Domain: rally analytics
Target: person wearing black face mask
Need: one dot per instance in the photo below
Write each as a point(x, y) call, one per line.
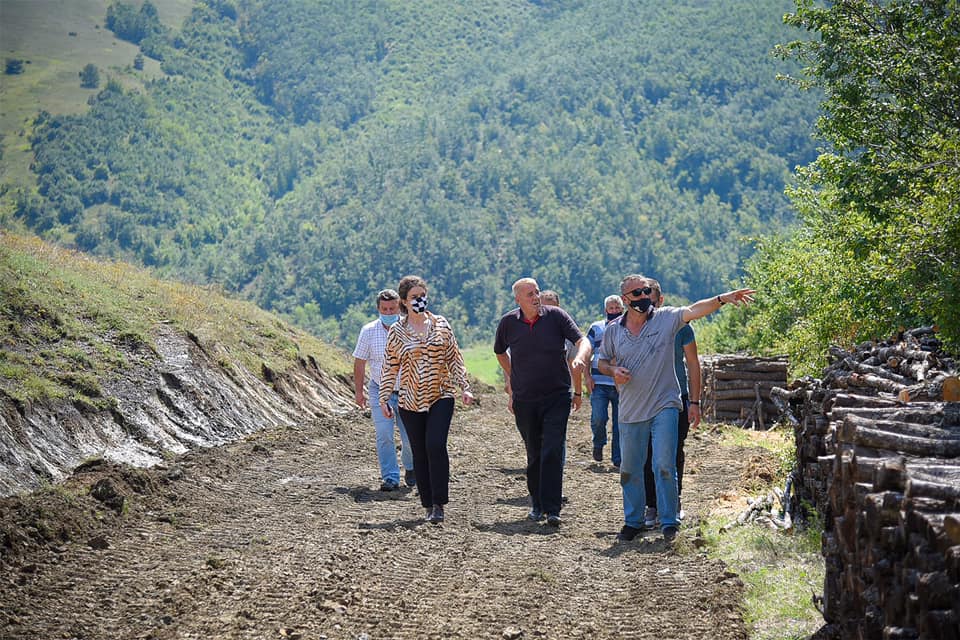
point(638, 352)
point(603, 392)
point(423, 359)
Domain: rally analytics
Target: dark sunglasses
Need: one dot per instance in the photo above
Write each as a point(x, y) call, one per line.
point(645, 291)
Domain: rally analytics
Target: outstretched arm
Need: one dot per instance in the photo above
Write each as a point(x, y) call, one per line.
point(707, 306)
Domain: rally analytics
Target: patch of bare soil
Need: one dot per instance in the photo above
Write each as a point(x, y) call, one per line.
point(285, 535)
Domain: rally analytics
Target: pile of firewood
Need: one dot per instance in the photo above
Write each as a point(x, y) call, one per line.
point(878, 446)
point(737, 389)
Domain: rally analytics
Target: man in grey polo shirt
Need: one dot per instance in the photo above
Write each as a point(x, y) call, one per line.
point(638, 352)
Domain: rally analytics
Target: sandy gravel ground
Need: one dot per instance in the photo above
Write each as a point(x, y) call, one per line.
point(285, 535)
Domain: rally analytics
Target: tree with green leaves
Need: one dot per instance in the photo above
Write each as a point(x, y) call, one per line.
point(879, 246)
point(90, 76)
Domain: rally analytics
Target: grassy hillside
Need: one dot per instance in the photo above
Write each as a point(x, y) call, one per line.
point(64, 317)
point(56, 39)
point(305, 154)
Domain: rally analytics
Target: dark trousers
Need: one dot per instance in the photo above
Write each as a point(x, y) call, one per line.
point(543, 426)
point(428, 431)
point(683, 428)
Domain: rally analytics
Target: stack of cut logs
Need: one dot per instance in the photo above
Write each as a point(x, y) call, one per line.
point(737, 389)
point(878, 447)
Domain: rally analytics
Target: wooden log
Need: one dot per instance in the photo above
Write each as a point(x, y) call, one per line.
point(852, 422)
point(735, 374)
point(750, 366)
point(878, 372)
point(912, 445)
point(951, 528)
point(856, 400)
point(869, 381)
point(734, 390)
point(949, 492)
point(936, 414)
point(900, 633)
point(943, 389)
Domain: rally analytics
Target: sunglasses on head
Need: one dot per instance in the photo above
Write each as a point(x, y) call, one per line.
point(644, 291)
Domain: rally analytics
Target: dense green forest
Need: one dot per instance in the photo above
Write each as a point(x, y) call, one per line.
point(879, 241)
point(305, 154)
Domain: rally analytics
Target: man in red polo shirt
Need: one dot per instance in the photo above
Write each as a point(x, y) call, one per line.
point(538, 381)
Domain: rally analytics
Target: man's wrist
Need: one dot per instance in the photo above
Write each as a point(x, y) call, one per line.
point(696, 402)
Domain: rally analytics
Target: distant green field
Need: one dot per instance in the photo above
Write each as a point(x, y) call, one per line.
point(56, 39)
point(482, 364)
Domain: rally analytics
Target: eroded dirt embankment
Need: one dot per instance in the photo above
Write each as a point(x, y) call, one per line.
point(165, 402)
point(283, 534)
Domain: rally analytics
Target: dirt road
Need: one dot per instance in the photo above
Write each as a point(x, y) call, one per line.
point(284, 535)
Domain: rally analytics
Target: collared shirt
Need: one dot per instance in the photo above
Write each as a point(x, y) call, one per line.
point(595, 335)
point(651, 360)
point(538, 362)
point(684, 337)
point(428, 367)
point(371, 344)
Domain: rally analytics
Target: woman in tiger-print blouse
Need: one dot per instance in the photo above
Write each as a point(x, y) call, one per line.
point(423, 352)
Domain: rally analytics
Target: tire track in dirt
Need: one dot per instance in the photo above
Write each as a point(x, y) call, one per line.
point(284, 535)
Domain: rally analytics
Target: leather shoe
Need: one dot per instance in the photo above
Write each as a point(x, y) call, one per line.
point(410, 478)
point(628, 533)
point(598, 454)
point(436, 516)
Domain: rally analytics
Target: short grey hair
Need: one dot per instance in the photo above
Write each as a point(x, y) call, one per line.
point(523, 281)
point(612, 298)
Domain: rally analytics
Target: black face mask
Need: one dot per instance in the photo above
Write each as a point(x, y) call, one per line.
point(642, 305)
point(611, 316)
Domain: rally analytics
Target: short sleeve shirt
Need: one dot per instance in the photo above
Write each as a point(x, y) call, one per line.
point(371, 344)
point(651, 359)
point(684, 337)
point(595, 335)
point(538, 362)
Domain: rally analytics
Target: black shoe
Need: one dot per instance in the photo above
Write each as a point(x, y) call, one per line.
point(410, 478)
point(389, 485)
point(535, 514)
point(628, 533)
point(564, 499)
point(598, 454)
point(436, 516)
point(670, 534)
point(553, 520)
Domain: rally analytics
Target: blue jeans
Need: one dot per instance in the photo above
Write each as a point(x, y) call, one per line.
point(683, 429)
point(634, 437)
point(543, 426)
point(602, 395)
point(386, 445)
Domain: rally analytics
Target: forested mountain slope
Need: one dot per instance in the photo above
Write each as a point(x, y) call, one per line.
point(308, 153)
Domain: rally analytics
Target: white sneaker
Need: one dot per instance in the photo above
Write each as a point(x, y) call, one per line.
point(650, 517)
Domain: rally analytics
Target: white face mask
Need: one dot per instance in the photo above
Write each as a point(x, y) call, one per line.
point(419, 304)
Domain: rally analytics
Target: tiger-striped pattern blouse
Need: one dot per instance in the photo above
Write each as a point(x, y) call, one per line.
point(430, 368)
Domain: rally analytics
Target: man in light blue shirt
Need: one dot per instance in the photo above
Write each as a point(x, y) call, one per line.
point(603, 392)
